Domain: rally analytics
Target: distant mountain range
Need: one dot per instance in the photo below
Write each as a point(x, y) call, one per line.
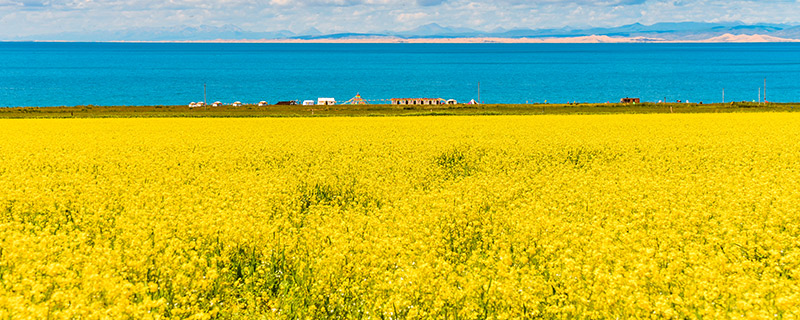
point(672, 31)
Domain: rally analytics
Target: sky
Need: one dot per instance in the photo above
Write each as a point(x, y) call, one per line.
point(21, 18)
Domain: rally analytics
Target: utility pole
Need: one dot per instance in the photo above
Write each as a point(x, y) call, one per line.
point(765, 90)
point(723, 95)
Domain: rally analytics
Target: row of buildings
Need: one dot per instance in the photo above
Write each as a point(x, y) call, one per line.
point(358, 100)
point(422, 101)
point(219, 104)
point(355, 100)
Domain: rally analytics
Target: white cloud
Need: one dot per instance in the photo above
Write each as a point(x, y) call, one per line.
point(404, 18)
point(27, 17)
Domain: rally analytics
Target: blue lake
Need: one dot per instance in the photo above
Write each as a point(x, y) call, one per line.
point(55, 74)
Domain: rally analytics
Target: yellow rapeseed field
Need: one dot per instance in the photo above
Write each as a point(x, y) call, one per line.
point(620, 216)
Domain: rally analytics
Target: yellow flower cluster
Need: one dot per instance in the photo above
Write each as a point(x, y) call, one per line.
point(621, 216)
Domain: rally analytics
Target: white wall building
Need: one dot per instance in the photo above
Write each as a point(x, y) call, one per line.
point(417, 101)
point(326, 101)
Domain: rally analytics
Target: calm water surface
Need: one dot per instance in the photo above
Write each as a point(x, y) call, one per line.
point(54, 74)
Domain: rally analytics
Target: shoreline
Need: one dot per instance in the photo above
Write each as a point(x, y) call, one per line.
point(378, 110)
point(725, 38)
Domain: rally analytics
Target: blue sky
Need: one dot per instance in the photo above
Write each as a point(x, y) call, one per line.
point(31, 17)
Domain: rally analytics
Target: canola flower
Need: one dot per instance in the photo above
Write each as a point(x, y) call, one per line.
point(622, 216)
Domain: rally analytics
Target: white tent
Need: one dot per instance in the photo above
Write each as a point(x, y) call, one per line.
point(326, 101)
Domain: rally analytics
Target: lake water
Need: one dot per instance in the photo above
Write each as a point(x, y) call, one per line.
point(55, 74)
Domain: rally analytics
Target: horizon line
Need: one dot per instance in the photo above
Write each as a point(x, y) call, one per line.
point(589, 39)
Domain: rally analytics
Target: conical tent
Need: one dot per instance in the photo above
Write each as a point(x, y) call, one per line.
point(356, 100)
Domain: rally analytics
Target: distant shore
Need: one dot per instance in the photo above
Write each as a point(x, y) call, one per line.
point(379, 110)
point(726, 38)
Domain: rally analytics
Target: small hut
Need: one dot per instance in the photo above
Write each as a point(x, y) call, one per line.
point(326, 101)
